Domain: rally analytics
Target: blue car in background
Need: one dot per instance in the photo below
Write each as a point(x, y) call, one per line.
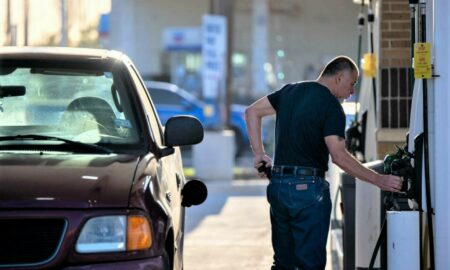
point(170, 100)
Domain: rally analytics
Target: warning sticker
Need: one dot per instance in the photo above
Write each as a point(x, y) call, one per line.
point(422, 60)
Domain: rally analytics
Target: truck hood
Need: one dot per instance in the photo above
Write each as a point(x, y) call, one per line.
point(65, 180)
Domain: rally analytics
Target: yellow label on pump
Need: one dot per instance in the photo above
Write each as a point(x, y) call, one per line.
point(422, 60)
point(369, 65)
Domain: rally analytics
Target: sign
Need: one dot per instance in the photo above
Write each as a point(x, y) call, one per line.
point(182, 39)
point(214, 52)
point(422, 60)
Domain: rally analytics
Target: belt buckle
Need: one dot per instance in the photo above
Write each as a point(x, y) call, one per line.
point(305, 172)
point(288, 170)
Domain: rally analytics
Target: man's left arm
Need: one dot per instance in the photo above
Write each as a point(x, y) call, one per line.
point(341, 157)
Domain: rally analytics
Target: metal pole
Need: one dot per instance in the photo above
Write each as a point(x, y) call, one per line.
point(8, 22)
point(358, 58)
point(413, 8)
point(63, 23)
point(229, 10)
point(260, 18)
point(25, 21)
point(225, 8)
point(370, 21)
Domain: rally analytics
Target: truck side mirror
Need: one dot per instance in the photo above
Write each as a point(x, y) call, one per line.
point(183, 130)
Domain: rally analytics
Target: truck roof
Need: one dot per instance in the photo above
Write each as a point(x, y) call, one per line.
point(58, 53)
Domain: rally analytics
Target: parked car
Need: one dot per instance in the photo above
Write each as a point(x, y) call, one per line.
point(172, 100)
point(90, 179)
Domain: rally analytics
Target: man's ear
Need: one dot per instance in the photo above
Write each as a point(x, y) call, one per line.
point(338, 77)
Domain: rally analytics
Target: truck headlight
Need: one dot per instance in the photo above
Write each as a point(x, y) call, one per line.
point(114, 234)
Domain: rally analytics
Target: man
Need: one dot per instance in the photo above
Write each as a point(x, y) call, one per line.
point(310, 126)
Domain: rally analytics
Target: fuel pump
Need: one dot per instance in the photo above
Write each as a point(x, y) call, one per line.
point(419, 132)
point(404, 222)
point(401, 224)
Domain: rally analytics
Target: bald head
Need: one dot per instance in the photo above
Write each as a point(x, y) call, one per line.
point(340, 76)
point(339, 64)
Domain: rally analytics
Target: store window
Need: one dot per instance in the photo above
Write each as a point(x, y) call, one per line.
point(396, 93)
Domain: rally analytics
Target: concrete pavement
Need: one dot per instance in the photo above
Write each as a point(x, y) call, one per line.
point(231, 230)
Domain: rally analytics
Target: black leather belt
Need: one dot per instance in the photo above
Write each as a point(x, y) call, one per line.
point(297, 171)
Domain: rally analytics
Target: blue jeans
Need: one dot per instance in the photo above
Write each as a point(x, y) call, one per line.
point(300, 208)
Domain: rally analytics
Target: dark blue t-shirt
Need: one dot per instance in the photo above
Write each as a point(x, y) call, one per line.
point(306, 112)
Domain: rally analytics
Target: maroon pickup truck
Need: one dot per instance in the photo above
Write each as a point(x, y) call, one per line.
point(92, 181)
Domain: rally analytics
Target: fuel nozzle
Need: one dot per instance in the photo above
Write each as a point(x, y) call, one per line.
point(400, 164)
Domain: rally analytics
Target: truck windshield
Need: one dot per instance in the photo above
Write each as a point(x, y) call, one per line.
point(83, 105)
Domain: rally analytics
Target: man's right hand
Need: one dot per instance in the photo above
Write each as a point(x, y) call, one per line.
point(258, 162)
point(390, 183)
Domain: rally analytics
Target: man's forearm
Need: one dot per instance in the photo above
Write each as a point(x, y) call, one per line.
point(353, 167)
point(253, 115)
point(253, 123)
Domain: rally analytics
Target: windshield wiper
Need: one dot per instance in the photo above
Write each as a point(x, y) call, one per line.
point(52, 138)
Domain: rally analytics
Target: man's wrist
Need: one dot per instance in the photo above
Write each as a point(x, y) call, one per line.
point(376, 178)
point(259, 153)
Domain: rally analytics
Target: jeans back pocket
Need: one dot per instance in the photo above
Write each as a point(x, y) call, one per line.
point(304, 192)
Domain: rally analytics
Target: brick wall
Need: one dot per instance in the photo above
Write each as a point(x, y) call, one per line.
point(395, 34)
point(395, 65)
